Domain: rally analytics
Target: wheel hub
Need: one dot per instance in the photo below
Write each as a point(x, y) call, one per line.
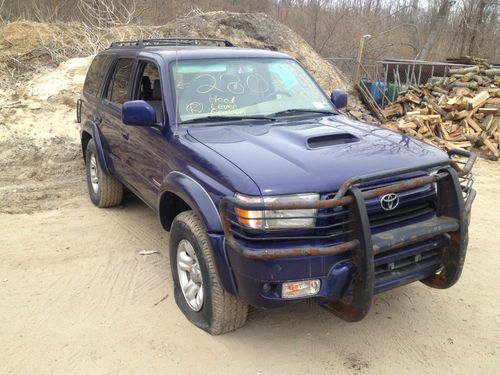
point(190, 279)
point(94, 176)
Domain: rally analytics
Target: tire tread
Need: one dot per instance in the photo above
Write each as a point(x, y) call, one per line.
point(229, 312)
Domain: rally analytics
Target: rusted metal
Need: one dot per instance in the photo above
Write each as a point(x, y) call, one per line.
point(468, 164)
point(296, 205)
point(412, 234)
point(471, 158)
point(400, 186)
point(355, 307)
point(292, 252)
point(451, 204)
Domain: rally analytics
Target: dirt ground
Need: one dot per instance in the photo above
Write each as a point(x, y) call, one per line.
point(78, 298)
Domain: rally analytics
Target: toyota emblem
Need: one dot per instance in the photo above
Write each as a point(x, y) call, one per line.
point(389, 201)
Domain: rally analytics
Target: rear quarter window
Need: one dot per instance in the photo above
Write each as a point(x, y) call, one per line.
point(120, 82)
point(95, 75)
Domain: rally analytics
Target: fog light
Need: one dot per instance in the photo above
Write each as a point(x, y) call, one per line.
point(297, 289)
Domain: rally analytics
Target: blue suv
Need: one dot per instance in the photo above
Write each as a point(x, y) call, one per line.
point(269, 193)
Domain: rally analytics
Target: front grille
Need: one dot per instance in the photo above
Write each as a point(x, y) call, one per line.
point(415, 205)
point(400, 215)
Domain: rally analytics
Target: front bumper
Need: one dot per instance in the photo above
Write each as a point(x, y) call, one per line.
point(351, 268)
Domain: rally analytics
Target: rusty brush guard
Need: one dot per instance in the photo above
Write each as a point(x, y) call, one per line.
point(352, 232)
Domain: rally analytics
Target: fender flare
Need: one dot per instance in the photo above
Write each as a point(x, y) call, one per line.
point(96, 136)
point(195, 196)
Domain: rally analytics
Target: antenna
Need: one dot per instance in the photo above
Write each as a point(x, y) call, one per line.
point(175, 72)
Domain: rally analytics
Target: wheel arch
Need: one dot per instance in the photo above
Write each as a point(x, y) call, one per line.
point(85, 139)
point(180, 193)
point(91, 131)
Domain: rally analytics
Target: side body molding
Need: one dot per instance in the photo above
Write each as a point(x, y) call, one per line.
point(190, 190)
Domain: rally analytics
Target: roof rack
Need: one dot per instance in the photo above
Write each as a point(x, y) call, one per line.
point(141, 43)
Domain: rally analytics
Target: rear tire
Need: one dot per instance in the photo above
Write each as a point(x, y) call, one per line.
point(104, 190)
point(219, 311)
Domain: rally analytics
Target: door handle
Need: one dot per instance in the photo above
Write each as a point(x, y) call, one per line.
point(125, 135)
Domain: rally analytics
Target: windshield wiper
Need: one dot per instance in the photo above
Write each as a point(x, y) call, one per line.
point(226, 118)
point(303, 110)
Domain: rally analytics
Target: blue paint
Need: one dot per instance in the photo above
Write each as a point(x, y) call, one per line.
point(203, 164)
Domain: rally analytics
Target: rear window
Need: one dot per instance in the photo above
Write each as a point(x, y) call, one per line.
point(119, 85)
point(95, 75)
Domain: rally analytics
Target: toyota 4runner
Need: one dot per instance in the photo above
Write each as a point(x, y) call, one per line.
point(269, 193)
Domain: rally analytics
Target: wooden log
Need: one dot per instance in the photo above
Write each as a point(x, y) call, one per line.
point(435, 106)
point(463, 144)
point(391, 126)
point(472, 69)
point(393, 110)
point(450, 146)
point(463, 91)
point(491, 147)
point(492, 105)
point(494, 91)
point(478, 79)
point(493, 128)
point(407, 125)
point(437, 94)
point(474, 140)
point(474, 125)
point(491, 72)
point(456, 115)
point(478, 116)
point(414, 113)
point(469, 85)
point(444, 132)
point(409, 96)
point(493, 101)
point(467, 77)
point(488, 110)
point(478, 100)
point(440, 90)
point(487, 122)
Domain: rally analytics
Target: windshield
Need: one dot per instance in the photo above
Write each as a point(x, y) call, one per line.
point(241, 88)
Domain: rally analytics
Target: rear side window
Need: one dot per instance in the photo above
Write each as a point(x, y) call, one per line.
point(119, 84)
point(95, 75)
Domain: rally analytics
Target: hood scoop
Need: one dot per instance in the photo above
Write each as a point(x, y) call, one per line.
point(328, 140)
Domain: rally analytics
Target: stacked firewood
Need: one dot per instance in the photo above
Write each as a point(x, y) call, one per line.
point(459, 111)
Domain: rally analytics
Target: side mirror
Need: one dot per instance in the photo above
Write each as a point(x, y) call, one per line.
point(138, 113)
point(339, 98)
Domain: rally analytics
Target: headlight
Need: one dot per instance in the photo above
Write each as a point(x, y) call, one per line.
point(278, 219)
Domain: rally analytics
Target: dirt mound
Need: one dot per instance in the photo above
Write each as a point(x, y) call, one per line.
point(258, 30)
point(27, 46)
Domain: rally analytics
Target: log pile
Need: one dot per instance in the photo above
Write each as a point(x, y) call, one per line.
point(459, 111)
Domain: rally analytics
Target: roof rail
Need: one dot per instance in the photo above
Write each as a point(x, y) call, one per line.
point(141, 43)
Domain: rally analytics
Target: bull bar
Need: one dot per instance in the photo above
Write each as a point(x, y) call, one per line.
point(455, 196)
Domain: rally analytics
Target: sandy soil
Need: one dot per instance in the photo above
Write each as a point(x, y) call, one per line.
point(76, 296)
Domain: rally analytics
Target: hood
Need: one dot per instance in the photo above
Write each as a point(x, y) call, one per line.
point(314, 155)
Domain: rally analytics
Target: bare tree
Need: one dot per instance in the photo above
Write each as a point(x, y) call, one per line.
point(106, 13)
point(437, 23)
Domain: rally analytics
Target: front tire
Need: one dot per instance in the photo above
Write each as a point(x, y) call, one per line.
point(104, 190)
point(197, 288)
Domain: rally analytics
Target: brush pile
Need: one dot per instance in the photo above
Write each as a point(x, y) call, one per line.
point(459, 111)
